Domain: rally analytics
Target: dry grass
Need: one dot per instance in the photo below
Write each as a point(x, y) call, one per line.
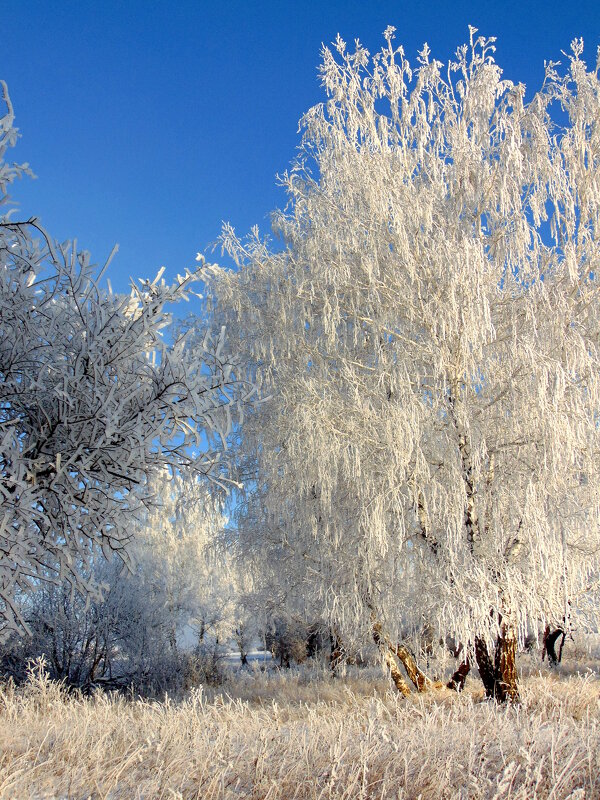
point(303, 737)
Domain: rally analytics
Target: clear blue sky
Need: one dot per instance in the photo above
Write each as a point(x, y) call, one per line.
point(148, 123)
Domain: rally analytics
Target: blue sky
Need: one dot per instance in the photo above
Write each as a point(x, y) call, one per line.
point(148, 123)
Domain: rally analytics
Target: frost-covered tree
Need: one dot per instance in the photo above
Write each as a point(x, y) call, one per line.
point(144, 629)
point(179, 551)
point(428, 337)
point(93, 401)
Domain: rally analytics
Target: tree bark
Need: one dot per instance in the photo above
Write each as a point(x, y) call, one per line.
point(337, 653)
point(561, 645)
point(485, 666)
point(421, 682)
point(499, 677)
point(239, 637)
point(471, 520)
point(389, 660)
point(506, 665)
point(395, 673)
point(457, 681)
point(550, 639)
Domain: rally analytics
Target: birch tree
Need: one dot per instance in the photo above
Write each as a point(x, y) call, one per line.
point(428, 336)
point(179, 553)
point(93, 401)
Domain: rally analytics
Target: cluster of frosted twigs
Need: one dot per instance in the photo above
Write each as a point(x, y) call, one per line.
point(275, 736)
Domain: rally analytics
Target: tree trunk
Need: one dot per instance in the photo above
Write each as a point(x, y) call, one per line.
point(173, 640)
point(550, 639)
point(500, 676)
point(457, 681)
point(337, 653)
point(485, 667)
point(421, 682)
point(560, 647)
point(506, 666)
point(239, 638)
point(395, 673)
point(389, 660)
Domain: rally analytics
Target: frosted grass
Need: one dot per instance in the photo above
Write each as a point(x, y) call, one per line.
point(301, 736)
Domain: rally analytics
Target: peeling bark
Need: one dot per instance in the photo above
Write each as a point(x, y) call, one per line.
point(421, 682)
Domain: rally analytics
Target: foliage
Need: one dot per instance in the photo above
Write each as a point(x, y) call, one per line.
point(92, 403)
point(144, 630)
point(428, 336)
point(180, 554)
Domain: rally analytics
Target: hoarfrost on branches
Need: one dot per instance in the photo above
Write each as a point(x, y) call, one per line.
point(142, 631)
point(93, 402)
point(180, 554)
point(429, 339)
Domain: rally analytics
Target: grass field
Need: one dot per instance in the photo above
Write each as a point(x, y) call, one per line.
point(304, 735)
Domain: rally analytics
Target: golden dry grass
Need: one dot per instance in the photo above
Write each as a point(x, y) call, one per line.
point(302, 737)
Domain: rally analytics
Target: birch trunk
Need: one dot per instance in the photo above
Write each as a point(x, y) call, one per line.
point(395, 673)
point(389, 660)
point(506, 665)
point(485, 667)
point(457, 681)
point(499, 676)
point(421, 682)
point(549, 648)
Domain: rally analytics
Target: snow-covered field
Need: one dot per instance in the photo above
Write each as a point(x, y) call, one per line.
point(305, 735)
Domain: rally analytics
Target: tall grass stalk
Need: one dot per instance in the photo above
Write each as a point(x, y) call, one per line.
point(300, 737)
